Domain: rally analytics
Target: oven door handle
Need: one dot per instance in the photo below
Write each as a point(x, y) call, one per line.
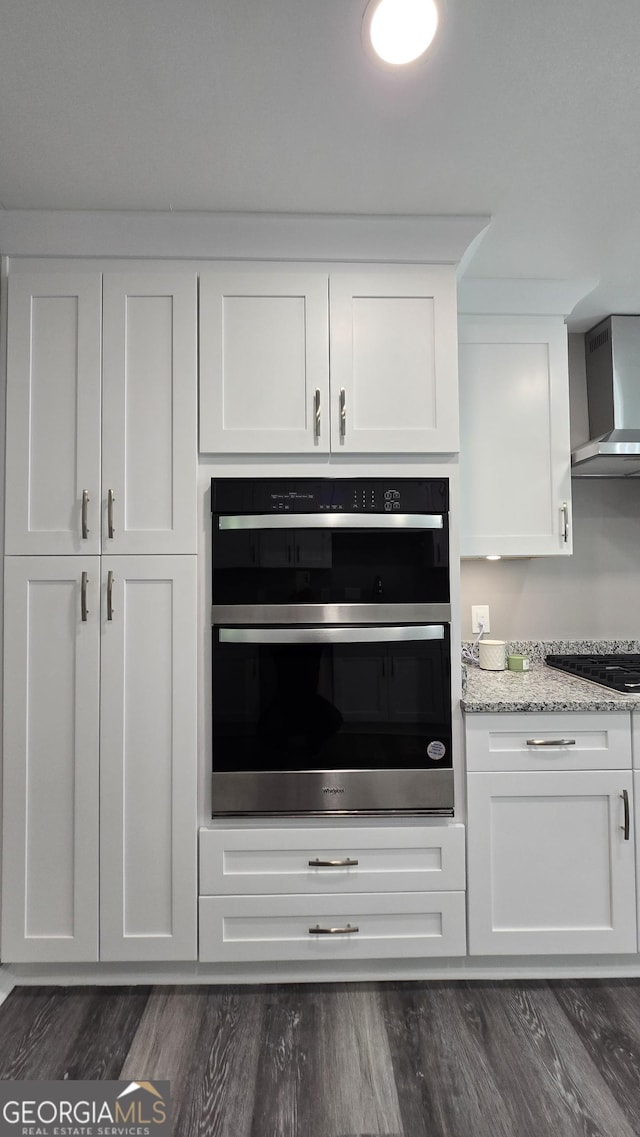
point(331, 635)
point(336, 520)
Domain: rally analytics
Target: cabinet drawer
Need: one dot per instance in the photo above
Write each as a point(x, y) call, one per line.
point(400, 925)
point(385, 859)
point(553, 741)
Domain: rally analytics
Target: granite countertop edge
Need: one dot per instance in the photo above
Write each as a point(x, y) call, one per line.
point(543, 688)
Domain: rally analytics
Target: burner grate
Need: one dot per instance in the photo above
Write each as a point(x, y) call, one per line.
point(618, 672)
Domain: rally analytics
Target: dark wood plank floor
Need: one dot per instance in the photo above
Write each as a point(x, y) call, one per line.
point(458, 1059)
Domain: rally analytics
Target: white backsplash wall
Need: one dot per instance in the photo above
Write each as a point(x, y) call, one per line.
point(594, 594)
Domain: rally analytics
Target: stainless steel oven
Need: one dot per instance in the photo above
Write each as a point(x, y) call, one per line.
point(331, 688)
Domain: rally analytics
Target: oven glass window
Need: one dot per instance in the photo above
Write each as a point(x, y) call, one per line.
point(295, 566)
point(329, 706)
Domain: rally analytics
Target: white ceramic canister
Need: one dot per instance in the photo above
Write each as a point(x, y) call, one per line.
point(493, 655)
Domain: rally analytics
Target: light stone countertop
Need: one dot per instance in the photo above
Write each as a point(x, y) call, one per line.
point(544, 688)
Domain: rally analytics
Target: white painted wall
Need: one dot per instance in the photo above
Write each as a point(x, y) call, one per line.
point(593, 594)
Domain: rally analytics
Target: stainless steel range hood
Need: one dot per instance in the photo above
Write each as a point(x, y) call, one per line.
point(612, 352)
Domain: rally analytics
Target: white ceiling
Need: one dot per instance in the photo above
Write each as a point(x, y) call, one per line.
point(529, 112)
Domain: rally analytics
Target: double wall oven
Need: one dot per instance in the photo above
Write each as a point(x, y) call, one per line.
point(331, 665)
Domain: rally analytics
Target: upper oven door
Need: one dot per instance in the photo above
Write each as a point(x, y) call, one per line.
point(331, 697)
point(331, 559)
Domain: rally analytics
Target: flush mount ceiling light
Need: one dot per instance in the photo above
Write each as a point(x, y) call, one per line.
point(399, 31)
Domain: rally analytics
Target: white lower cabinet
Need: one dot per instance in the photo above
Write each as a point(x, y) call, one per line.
point(51, 760)
point(148, 842)
point(99, 809)
point(391, 925)
point(550, 850)
point(331, 894)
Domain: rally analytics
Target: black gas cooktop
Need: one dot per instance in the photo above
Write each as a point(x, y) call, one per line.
point(619, 672)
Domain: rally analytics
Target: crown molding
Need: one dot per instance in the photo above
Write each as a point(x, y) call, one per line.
point(419, 239)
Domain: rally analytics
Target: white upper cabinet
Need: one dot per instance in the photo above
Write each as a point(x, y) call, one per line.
point(101, 402)
point(53, 412)
point(149, 412)
point(515, 460)
point(394, 383)
point(298, 361)
point(264, 362)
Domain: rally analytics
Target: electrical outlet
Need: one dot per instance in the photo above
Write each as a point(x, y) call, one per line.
point(480, 618)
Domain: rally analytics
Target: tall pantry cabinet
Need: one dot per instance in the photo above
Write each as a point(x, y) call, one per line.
point(99, 811)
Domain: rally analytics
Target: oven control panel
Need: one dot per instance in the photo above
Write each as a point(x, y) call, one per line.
point(376, 499)
point(329, 495)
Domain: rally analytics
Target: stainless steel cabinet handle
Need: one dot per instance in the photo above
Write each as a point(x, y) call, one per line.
point(551, 742)
point(83, 598)
point(85, 522)
point(343, 412)
point(627, 821)
point(342, 863)
point(316, 414)
point(564, 509)
point(348, 930)
point(111, 497)
point(110, 595)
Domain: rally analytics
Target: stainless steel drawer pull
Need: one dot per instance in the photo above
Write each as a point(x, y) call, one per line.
point(551, 742)
point(85, 520)
point(626, 828)
point(110, 595)
point(111, 497)
point(564, 509)
point(316, 414)
point(83, 597)
point(343, 863)
point(347, 931)
point(343, 413)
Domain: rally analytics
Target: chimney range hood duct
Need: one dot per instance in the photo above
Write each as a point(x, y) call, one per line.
point(612, 356)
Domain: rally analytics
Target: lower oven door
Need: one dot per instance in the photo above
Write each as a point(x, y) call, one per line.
point(328, 719)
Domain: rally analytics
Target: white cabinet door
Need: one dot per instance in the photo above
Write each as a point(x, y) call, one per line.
point(394, 383)
point(550, 869)
point(148, 759)
point(515, 459)
point(636, 798)
point(264, 362)
point(635, 736)
point(53, 411)
point(149, 407)
point(51, 716)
